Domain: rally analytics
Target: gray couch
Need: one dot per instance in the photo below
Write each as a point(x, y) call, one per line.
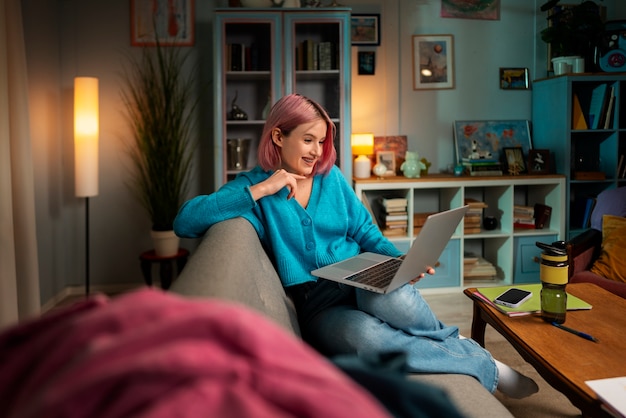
point(230, 263)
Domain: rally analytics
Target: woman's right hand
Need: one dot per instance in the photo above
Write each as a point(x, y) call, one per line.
point(281, 178)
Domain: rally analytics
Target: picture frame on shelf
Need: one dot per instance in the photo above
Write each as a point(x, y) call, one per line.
point(172, 22)
point(365, 29)
point(514, 161)
point(388, 159)
point(539, 161)
point(433, 62)
point(514, 79)
point(367, 62)
point(486, 139)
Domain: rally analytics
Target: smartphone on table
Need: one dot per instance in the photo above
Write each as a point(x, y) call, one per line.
point(513, 297)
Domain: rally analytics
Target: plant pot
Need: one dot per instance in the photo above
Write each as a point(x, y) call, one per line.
point(564, 65)
point(165, 243)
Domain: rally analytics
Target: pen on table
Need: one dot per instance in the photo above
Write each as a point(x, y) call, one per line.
point(575, 332)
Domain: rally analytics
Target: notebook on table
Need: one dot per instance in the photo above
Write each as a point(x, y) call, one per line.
point(383, 274)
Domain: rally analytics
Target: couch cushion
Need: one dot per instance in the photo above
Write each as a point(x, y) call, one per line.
point(611, 262)
point(468, 395)
point(609, 202)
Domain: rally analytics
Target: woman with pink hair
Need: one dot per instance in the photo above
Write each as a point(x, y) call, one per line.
point(307, 216)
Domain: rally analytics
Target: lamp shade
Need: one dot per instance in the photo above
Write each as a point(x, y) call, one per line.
point(86, 133)
point(362, 144)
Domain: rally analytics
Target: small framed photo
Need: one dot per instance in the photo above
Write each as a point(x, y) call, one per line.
point(169, 21)
point(433, 62)
point(539, 161)
point(365, 29)
point(388, 159)
point(514, 79)
point(367, 62)
point(514, 161)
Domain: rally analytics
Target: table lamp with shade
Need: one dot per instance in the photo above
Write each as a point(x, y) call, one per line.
point(86, 133)
point(362, 146)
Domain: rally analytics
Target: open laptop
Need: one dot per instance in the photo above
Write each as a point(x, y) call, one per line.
point(383, 274)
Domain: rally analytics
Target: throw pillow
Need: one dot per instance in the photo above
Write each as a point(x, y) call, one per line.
point(611, 263)
point(609, 202)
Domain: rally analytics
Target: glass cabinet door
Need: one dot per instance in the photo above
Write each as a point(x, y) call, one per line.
point(248, 81)
point(317, 65)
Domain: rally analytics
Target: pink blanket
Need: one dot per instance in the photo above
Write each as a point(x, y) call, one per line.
point(153, 354)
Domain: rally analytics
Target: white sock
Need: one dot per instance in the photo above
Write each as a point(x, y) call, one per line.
point(514, 384)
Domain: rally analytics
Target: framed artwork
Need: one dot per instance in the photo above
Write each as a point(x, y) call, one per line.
point(514, 79)
point(485, 140)
point(396, 143)
point(365, 29)
point(514, 161)
point(539, 161)
point(169, 21)
point(388, 159)
point(367, 62)
point(433, 62)
point(475, 9)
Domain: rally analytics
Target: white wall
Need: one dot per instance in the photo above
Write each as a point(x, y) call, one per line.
point(67, 38)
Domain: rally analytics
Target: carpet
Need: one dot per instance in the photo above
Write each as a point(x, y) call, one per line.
point(548, 402)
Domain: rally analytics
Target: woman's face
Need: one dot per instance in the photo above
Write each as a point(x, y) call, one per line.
point(302, 148)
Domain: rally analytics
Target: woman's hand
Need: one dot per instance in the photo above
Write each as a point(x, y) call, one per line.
point(281, 178)
point(430, 271)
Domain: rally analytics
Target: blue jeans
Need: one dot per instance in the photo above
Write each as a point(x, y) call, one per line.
point(337, 319)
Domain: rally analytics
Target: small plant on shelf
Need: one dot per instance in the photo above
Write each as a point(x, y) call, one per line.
point(573, 30)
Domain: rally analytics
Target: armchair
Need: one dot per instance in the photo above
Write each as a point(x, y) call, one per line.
point(585, 249)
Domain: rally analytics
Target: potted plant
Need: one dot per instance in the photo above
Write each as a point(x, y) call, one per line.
point(573, 31)
point(159, 106)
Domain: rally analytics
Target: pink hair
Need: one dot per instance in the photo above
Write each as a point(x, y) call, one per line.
point(288, 113)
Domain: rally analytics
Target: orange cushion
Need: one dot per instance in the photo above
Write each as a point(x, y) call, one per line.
point(612, 260)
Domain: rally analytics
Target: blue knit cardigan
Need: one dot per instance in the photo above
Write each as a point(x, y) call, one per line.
point(334, 226)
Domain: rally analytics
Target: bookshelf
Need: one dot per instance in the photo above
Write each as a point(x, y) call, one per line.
point(261, 55)
point(581, 119)
point(511, 251)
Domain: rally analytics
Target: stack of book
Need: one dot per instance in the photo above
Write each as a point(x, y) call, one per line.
point(482, 167)
point(474, 216)
point(311, 55)
point(393, 218)
point(524, 216)
point(477, 268)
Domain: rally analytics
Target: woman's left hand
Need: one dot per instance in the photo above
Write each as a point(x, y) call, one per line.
point(430, 271)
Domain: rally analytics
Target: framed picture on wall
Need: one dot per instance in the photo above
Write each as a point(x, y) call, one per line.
point(514, 79)
point(365, 29)
point(367, 62)
point(172, 22)
point(433, 62)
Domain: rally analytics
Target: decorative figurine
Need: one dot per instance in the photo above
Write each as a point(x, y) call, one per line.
point(235, 111)
point(412, 166)
point(427, 164)
point(379, 170)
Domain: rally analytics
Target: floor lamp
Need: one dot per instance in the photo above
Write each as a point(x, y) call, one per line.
point(86, 132)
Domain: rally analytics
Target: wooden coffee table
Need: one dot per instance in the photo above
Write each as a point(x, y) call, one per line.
point(563, 359)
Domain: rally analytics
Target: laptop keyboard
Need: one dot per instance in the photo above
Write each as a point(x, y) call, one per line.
point(379, 275)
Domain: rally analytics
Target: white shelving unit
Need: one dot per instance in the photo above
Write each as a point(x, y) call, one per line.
point(511, 250)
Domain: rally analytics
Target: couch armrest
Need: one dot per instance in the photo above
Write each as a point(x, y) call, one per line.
point(582, 250)
point(230, 263)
